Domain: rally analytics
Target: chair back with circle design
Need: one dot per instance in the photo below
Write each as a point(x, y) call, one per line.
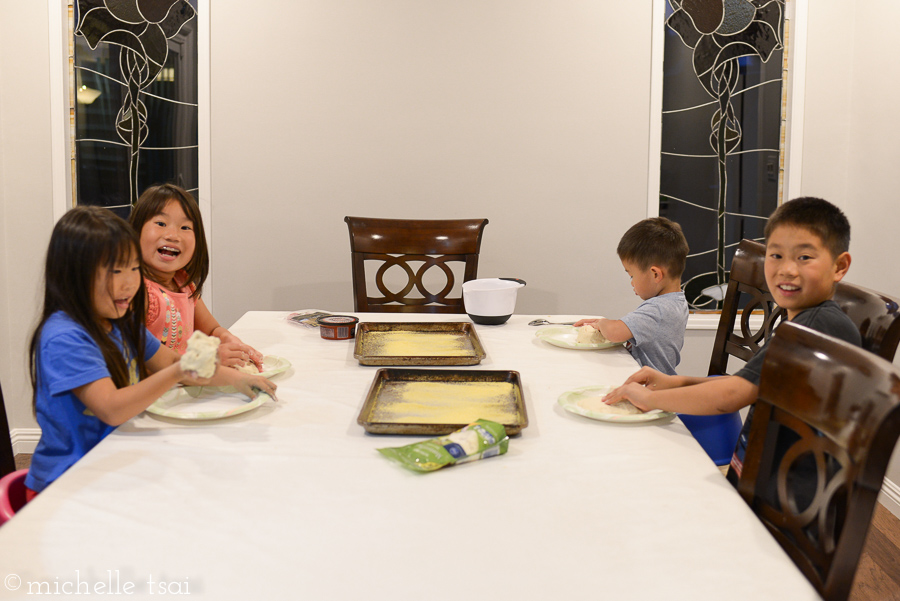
point(747, 279)
point(824, 428)
point(412, 263)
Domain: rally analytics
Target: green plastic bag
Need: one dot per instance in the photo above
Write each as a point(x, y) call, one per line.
point(478, 440)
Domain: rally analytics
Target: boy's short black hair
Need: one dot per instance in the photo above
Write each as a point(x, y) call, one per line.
point(819, 217)
point(655, 241)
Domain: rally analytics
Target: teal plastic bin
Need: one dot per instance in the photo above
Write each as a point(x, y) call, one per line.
point(717, 434)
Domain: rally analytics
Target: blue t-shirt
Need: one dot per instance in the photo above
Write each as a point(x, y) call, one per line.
point(657, 328)
point(68, 358)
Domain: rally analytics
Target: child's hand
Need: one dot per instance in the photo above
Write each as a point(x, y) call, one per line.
point(638, 395)
point(251, 385)
point(639, 388)
point(651, 378)
point(238, 354)
point(594, 323)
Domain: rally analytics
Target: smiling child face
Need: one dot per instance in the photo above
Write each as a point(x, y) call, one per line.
point(114, 289)
point(167, 243)
point(800, 270)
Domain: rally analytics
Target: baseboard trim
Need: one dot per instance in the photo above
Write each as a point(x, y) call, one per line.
point(890, 497)
point(24, 440)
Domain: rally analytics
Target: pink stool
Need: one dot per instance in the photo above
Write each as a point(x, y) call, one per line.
point(12, 494)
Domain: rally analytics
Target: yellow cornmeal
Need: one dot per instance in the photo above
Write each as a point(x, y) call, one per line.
point(416, 344)
point(445, 402)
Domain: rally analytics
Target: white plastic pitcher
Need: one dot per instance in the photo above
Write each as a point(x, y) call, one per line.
point(491, 301)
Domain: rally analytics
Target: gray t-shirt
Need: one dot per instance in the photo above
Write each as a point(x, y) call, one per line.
point(657, 327)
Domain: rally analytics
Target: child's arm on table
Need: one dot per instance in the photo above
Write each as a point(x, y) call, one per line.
point(232, 352)
point(115, 406)
point(613, 330)
point(685, 394)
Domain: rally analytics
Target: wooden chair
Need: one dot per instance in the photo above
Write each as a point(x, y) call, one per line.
point(7, 456)
point(824, 429)
point(718, 434)
point(876, 315)
point(747, 279)
point(415, 246)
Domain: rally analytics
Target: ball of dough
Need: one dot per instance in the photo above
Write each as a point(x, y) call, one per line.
point(200, 357)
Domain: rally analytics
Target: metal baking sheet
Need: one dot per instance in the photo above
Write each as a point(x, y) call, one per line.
point(453, 343)
point(440, 401)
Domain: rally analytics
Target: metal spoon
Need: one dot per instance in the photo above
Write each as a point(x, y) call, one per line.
point(544, 322)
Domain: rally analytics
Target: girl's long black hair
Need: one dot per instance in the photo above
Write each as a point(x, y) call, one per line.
point(84, 240)
point(151, 203)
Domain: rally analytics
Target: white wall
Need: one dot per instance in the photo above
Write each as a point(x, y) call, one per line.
point(533, 114)
point(25, 191)
point(851, 150)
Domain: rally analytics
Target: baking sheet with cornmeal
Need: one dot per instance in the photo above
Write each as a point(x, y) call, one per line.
point(441, 343)
point(443, 402)
point(396, 344)
point(427, 403)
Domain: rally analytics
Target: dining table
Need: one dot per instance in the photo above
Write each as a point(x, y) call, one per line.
point(292, 500)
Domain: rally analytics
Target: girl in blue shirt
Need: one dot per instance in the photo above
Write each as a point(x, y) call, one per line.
point(93, 365)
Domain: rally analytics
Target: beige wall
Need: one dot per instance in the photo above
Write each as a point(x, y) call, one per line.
point(532, 114)
point(25, 190)
point(851, 151)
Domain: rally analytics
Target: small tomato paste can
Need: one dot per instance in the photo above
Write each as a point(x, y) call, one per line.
point(337, 327)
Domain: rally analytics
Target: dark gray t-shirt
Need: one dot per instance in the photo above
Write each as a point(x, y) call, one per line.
point(826, 318)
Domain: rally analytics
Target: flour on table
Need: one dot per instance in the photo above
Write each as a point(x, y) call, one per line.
point(200, 356)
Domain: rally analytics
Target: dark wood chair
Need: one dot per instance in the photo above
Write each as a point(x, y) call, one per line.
point(876, 315)
point(825, 425)
point(7, 456)
point(415, 247)
point(718, 434)
point(746, 280)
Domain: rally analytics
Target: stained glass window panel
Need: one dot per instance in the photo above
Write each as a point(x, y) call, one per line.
point(721, 131)
point(136, 96)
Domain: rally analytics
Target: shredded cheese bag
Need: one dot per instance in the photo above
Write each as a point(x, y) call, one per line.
point(478, 440)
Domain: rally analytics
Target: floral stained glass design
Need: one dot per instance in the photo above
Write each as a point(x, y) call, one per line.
point(721, 130)
point(136, 99)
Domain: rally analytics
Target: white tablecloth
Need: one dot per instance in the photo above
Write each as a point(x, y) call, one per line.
point(291, 500)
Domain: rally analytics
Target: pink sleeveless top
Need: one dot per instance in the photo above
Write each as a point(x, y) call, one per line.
point(170, 315)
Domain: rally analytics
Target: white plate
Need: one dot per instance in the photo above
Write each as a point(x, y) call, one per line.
point(179, 403)
point(565, 337)
point(273, 365)
point(569, 402)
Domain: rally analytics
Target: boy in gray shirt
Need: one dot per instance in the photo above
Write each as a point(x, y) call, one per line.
point(653, 252)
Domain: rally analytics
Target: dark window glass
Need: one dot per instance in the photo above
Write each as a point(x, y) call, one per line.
point(720, 177)
point(135, 89)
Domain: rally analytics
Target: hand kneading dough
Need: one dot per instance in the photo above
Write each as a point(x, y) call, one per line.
point(200, 356)
point(596, 404)
point(588, 334)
